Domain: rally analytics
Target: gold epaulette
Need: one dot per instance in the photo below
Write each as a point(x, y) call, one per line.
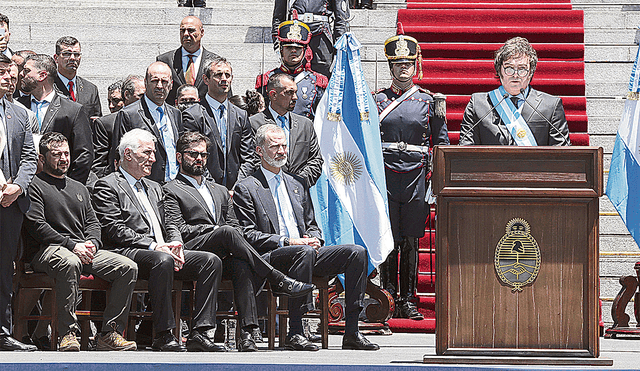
point(440, 104)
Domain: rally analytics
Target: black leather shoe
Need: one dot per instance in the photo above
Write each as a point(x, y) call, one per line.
point(42, 343)
point(299, 342)
point(256, 335)
point(166, 342)
point(246, 343)
point(315, 338)
point(357, 341)
point(9, 343)
point(198, 342)
point(409, 310)
point(289, 287)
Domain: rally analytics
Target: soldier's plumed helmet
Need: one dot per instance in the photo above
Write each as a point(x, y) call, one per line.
point(293, 33)
point(401, 48)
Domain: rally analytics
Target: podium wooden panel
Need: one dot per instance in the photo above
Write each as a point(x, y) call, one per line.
point(480, 190)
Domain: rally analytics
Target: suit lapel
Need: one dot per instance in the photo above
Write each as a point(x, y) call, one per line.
point(294, 133)
point(177, 66)
point(145, 116)
point(128, 190)
point(186, 185)
point(211, 119)
point(10, 134)
point(79, 88)
point(61, 86)
point(266, 200)
point(534, 100)
point(154, 201)
point(54, 106)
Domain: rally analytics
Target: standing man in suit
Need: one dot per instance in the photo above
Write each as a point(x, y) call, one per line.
point(203, 213)
point(17, 167)
point(515, 113)
point(226, 126)
point(64, 224)
point(131, 210)
point(294, 37)
point(186, 96)
point(275, 209)
point(153, 114)
point(305, 159)
point(67, 57)
point(186, 62)
point(5, 36)
point(55, 113)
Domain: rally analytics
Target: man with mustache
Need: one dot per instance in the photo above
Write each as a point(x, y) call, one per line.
point(67, 57)
point(515, 113)
point(305, 159)
point(226, 126)
point(186, 62)
point(294, 37)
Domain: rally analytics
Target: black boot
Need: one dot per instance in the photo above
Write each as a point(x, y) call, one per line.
point(408, 278)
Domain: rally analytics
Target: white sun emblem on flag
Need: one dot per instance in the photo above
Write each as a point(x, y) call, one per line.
point(346, 168)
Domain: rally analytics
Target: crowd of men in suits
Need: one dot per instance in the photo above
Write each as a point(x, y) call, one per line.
point(184, 181)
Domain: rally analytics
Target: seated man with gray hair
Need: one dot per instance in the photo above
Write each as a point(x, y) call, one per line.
point(130, 208)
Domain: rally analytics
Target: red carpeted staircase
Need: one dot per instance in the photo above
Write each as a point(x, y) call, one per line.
point(458, 39)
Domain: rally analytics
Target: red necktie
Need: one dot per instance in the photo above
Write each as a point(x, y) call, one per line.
point(71, 93)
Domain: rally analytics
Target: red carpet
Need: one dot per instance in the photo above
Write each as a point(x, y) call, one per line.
point(458, 39)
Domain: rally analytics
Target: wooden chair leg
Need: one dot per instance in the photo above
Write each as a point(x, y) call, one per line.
point(176, 311)
point(54, 321)
point(271, 322)
point(282, 322)
point(324, 317)
point(85, 324)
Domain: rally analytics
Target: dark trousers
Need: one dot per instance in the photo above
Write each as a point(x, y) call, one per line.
point(322, 47)
point(10, 223)
point(203, 267)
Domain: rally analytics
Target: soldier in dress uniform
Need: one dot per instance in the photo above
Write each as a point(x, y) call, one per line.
point(294, 37)
point(318, 15)
point(411, 120)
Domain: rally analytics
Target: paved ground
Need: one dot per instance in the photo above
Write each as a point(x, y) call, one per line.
point(398, 351)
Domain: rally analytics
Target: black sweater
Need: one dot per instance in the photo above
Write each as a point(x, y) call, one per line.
point(61, 213)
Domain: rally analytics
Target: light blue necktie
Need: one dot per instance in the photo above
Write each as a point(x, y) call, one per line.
point(283, 221)
point(172, 166)
point(38, 113)
point(283, 125)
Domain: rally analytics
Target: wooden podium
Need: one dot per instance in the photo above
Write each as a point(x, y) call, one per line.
point(496, 295)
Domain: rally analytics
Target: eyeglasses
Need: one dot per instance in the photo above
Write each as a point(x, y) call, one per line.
point(70, 54)
point(195, 154)
point(510, 71)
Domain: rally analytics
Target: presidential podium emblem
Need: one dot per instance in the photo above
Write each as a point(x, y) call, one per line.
point(517, 256)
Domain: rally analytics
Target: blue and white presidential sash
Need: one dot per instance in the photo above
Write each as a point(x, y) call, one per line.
point(509, 114)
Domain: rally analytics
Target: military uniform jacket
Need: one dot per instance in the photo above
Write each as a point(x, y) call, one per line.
point(339, 9)
point(311, 86)
point(412, 122)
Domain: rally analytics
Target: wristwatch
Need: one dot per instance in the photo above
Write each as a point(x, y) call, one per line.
point(286, 241)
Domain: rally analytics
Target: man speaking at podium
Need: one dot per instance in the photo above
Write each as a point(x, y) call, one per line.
point(515, 113)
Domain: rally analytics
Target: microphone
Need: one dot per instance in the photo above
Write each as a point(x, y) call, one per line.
point(482, 118)
point(566, 140)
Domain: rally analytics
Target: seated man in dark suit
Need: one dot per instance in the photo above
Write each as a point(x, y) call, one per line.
point(203, 213)
point(56, 113)
point(64, 224)
point(305, 159)
point(515, 113)
point(153, 113)
point(186, 62)
point(67, 57)
point(227, 126)
point(130, 209)
point(275, 209)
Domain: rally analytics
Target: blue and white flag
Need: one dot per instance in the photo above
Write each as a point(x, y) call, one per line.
point(623, 187)
point(350, 198)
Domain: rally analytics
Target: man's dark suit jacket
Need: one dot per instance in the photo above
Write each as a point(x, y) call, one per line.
point(174, 59)
point(240, 156)
point(71, 120)
point(304, 159)
point(137, 115)
point(87, 95)
point(121, 215)
point(257, 211)
point(492, 131)
point(187, 212)
point(102, 135)
point(19, 161)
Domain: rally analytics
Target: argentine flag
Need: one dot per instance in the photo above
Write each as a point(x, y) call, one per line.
point(623, 187)
point(350, 198)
